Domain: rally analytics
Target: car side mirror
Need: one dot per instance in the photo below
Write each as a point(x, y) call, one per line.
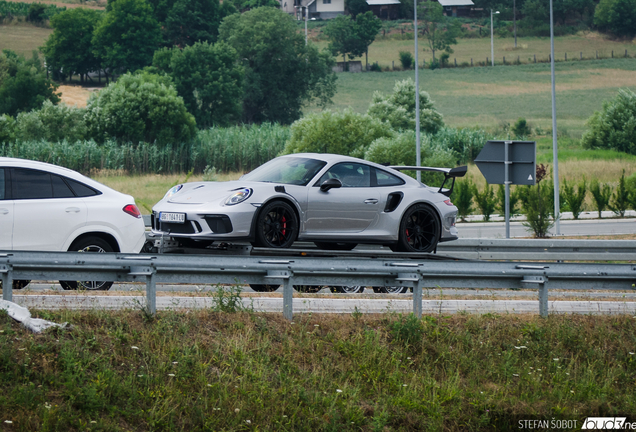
point(330, 184)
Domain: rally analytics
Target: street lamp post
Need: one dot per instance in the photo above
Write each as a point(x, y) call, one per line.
point(492, 43)
point(418, 160)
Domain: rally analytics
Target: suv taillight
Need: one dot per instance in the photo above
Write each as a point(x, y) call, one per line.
point(132, 210)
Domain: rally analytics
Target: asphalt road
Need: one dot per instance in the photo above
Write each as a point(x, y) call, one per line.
point(568, 228)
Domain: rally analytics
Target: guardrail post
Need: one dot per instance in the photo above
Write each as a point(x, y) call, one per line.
point(543, 300)
point(288, 298)
point(151, 292)
point(6, 271)
point(417, 298)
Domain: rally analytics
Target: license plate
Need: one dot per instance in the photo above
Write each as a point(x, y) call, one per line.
point(172, 217)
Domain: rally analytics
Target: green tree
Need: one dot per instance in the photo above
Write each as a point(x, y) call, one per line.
point(191, 21)
point(208, 78)
point(127, 36)
point(245, 5)
point(441, 32)
point(601, 195)
point(617, 17)
point(7, 129)
point(513, 200)
point(614, 126)
point(282, 73)
point(538, 205)
point(53, 123)
point(23, 84)
point(398, 108)
point(340, 132)
point(140, 107)
point(356, 7)
point(343, 38)
point(69, 48)
point(367, 28)
point(575, 198)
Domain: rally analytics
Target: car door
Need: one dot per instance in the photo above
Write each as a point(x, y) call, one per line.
point(46, 211)
point(6, 215)
point(348, 209)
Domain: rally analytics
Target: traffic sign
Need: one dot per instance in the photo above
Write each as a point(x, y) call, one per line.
point(521, 162)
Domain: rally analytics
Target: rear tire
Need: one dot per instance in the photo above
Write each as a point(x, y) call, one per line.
point(18, 284)
point(419, 230)
point(335, 246)
point(350, 289)
point(91, 245)
point(307, 289)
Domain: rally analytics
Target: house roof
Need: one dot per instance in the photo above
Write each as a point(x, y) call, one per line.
point(456, 2)
point(382, 2)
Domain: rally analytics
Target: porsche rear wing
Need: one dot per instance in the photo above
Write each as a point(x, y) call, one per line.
point(448, 173)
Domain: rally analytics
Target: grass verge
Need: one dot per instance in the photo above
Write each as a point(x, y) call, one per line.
point(217, 371)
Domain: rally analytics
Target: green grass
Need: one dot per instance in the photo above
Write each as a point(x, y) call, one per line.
point(489, 97)
point(204, 370)
point(23, 38)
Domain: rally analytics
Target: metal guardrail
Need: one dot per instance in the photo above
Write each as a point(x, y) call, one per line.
point(540, 249)
point(337, 271)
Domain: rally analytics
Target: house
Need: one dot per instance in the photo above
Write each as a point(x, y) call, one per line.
point(456, 8)
point(324, 9)
point(385, 9)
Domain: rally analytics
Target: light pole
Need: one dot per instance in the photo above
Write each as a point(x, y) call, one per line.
point(418, 160)
point(555, 151)
point(492, 43)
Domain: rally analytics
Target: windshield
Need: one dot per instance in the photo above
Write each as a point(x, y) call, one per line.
point(286, 170)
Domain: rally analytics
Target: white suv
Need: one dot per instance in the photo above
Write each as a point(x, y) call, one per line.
point(45, 207)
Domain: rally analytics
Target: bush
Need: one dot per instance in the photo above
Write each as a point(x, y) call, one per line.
point(37, 13)
point(340, 132)
point(375, 67)
point(615, 126)
point(140, 108)
point(538, 204)
point(398, 109)
point(52, 123)
point(601, 195)
point(620, 199)
point(7, 128)
point(406, 58)
point(486, 201)
point(575, 199)
point(463, 198)
point(521, 128)
point(501, 201)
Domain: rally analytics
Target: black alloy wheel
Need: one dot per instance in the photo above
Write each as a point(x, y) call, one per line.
point(307, 289)
point(335, 246)
point(419, 230)
point(91, 245)
point(277, 226)
point(264, 288)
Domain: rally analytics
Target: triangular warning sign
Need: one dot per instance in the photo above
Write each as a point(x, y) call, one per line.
point(530, 177)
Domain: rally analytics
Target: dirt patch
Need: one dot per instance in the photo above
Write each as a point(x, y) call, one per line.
point(75, 95)
point(88, 5)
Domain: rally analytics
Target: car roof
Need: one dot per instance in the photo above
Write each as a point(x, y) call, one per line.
point(56, 169)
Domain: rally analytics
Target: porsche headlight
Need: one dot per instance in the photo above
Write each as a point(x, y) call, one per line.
point(172, 191)
point(238, 196)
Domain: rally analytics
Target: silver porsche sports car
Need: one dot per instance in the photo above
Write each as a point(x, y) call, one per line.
point(334, 201)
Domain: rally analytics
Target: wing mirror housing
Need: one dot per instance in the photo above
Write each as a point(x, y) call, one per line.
point(330, 184)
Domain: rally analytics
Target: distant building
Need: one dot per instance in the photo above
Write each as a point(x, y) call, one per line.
point(323, 9)
point(456, 8)
point(385, 9)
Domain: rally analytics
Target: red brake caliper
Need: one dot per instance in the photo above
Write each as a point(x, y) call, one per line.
point(284, 226)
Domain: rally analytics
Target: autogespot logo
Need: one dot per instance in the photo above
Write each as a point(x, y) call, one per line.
point(605, 423)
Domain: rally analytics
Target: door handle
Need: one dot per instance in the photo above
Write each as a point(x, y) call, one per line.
point(4, 211)
point(72, 210)
point(371, 201)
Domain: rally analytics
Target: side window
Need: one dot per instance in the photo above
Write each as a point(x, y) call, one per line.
point(350, 174)
point(2, 183)
point(80, 189)
point(60, 188)
point(31, 184)
point(384, 178)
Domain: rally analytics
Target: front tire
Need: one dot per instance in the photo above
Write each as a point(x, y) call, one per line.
point(307, 289)
point(349, 289)
point(92, 245)
point(419, 230)
point(390, 290)
point(277, 226)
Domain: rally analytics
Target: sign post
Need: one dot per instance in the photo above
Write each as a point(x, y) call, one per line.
point(508, 162)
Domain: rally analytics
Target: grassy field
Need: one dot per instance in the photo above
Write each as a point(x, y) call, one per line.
point(23, 38)
point(385, 51)
point(491, 97)
point(206, 370)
